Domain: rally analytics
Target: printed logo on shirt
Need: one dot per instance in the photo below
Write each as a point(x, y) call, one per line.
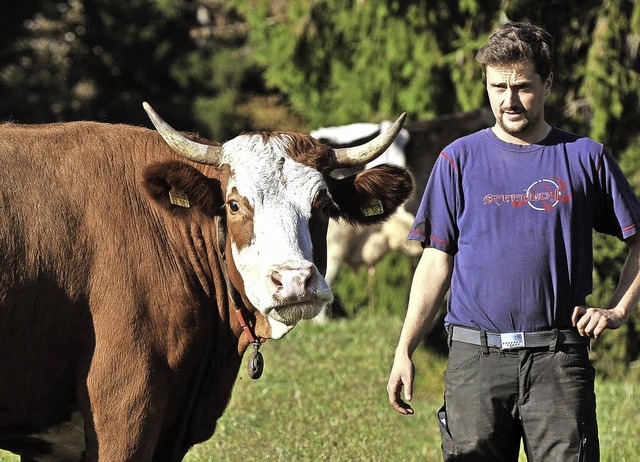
point(542, 195)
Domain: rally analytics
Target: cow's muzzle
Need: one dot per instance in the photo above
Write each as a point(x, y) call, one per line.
point(296, 284)
point(297, 291)
point(289, 285)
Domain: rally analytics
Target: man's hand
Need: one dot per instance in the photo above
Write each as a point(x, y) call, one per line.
point(591, 322)
point(402, 374)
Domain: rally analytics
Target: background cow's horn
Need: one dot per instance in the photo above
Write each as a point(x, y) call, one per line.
point(360, 155)
point(197, 152)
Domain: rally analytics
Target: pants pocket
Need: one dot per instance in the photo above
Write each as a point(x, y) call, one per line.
point(449, 447)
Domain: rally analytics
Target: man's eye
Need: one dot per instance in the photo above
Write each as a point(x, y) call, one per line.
point(233, 206)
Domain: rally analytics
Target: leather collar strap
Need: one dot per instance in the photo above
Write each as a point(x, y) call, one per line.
point(247, 329)
point(231, 289)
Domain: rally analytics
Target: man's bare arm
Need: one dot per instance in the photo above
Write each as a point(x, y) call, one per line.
point(430, 283)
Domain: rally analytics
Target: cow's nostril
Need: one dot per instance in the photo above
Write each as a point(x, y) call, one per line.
point(290, 282)
point(276, 278)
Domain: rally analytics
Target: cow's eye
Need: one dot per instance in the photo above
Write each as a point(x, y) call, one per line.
point(327, 209)
point(233, 206)
point(323, 205)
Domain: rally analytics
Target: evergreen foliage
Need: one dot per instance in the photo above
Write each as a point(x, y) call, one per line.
point(610, 71)
point(100, 59)
point(340, 62)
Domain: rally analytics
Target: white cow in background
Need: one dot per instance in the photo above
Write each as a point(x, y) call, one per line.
point(349, 135)
point(356, 246)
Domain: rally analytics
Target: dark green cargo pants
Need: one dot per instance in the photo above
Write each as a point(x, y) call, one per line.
point(494, 399)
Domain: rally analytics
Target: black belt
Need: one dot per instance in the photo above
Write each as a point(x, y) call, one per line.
point(518, 340)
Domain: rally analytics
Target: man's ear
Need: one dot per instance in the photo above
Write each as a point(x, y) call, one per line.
point(373, 195)
point(180, 189)
point(548, 84)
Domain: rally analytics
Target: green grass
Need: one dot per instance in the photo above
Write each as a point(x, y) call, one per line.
point(322, 398)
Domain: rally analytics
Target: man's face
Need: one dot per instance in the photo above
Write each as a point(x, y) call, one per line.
point(516, 93)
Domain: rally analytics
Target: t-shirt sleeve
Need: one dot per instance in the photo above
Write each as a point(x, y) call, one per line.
point(435, 222)
point(618, 212)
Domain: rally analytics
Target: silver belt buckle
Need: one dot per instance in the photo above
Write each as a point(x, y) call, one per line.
point(512, 340)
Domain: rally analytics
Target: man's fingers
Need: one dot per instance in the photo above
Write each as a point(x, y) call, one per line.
point(597, 324)
point(584, 320)
point(578, 312)
point(402, 407)
point(589, 325)
point(394, 387)
point(591, 322)
point(600, 327)
point(399, 405)
point(408, 390)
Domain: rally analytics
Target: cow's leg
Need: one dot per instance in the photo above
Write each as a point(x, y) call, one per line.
point(126, 400)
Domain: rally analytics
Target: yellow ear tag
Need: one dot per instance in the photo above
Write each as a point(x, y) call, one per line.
point(374, 207)
point(179, 198)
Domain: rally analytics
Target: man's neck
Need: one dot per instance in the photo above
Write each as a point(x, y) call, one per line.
point(532, 137)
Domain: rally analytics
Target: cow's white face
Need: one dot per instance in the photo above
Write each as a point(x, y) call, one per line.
point(269, 201)
point(277, 205)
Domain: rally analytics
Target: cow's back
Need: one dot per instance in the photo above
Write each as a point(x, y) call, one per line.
point(67, 191)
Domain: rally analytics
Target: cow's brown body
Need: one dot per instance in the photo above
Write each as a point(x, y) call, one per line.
point(101, 303)
point(118, 338)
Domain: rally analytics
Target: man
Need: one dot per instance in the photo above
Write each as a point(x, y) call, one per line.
point(506, 222)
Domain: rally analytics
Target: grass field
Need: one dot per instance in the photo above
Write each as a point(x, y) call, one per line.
point(322, 398)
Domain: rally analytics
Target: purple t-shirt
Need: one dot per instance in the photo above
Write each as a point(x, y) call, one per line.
point(518, 221)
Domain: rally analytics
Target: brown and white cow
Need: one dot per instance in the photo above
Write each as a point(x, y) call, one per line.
point(124, 258)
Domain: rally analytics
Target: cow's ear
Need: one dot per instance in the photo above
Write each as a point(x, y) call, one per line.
point(180, 189)
point(373, 195)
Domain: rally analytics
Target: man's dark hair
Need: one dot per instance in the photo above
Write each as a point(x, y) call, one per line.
point(516, 42)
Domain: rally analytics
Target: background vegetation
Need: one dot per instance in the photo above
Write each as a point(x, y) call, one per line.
point(222, 67)
point(226, 66)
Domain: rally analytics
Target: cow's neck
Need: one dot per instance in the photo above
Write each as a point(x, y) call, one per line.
point(204, 249)
point(222, 351)
point(196, 251)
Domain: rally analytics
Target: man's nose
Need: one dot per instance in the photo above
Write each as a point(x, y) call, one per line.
point(511, 97)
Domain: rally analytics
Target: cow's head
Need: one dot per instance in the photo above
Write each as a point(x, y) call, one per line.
point(275, 200)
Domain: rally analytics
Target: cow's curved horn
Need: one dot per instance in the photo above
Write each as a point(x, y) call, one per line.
point(192, 150)
point(360, 155)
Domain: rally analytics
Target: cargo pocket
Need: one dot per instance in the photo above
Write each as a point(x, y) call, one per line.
point(449, 447)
